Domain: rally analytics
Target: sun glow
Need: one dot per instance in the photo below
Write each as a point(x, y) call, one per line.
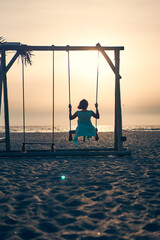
point(39, 84)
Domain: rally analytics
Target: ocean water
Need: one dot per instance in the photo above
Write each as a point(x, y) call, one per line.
point(101, 128)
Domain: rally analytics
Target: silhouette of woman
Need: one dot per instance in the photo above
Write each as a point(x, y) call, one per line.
point(85, 127)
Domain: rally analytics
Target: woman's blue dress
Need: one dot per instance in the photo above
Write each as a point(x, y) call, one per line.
point(85, 127)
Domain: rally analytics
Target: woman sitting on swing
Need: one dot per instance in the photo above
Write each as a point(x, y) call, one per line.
point(85, 127)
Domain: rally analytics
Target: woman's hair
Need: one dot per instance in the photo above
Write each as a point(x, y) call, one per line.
point(83, 104)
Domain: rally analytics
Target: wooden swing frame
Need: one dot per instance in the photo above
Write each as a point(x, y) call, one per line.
point(118, 138)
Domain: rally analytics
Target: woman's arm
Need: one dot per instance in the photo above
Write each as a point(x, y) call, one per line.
point(71, 117)
point(96, 115)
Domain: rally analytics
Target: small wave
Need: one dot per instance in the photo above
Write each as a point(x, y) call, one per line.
point(101, 128)
point(142, 128)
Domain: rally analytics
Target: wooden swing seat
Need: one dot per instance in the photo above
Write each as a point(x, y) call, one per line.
point(84, 137)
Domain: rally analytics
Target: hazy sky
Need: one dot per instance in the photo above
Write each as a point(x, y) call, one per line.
point(134, 24)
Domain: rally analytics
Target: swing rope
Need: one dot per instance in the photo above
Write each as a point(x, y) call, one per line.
point(52, 147)
point(97, 78)
point(97, 86)
point(69, 79)
point(69, 88)
point(24, 120)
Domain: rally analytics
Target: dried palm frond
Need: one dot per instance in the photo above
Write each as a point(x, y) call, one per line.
point(26, 56)
point(1, 39)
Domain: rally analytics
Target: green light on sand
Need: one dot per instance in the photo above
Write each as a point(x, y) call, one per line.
point(63, 177)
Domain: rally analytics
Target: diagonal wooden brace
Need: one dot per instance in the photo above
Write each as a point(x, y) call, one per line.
point(100, 48)
point(11, 61)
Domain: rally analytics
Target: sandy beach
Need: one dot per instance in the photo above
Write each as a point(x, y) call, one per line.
point(100, 198)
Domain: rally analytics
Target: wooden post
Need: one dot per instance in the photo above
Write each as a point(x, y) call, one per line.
point(6, 70)
point(6, 112)
point(118, 117)
point(0, 84)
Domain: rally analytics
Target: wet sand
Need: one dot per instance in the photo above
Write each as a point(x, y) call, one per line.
point(100, 198)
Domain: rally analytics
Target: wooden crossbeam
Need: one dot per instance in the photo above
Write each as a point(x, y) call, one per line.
point(54, 48)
